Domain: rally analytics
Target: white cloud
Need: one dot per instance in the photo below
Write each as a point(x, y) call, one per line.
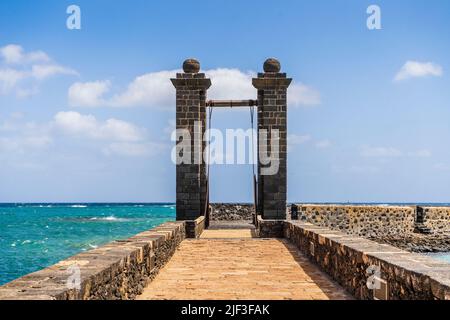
point(88, 94)
point(17, 144)
point(18, 66)
point(9, 78)
point(303, 95)
point(294, 140)
point(231, 84)
point(74, 123)
point(152, 89)
point(119, 137)
point(41, 72)
point(111, 137)
point(20, 138)
point(26, 92)
point(155, 90)
point(380, 152)
point(420, 153)
point(323, 144)
point(14, 54)
point(415, 69)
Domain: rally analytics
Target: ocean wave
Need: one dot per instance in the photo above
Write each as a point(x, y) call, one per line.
point(78, 206)
point(109, 219)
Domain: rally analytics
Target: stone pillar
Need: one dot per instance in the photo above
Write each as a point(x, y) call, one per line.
point(191, 87)
point(272, 111)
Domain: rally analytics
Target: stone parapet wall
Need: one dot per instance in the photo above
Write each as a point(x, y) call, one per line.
point(348, 259)
point(360, 220)
point(437, 219)
point(270, 228)
point(194, 228)
point(231, 211)
point(117, 270)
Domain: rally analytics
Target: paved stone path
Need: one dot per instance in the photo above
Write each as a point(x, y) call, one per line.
point(228, 234)
point(230, 264)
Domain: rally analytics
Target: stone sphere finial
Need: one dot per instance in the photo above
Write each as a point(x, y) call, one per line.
point(272, 65)
point(191, 66)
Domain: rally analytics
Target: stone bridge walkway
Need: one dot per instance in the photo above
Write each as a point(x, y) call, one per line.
point(232, 264)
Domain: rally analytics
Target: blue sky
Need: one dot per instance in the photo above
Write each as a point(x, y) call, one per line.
point(86, 115)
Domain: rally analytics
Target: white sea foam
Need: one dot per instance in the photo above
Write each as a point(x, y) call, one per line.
point(109, 218)
point(78, 206)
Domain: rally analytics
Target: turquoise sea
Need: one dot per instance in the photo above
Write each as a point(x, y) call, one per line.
point(34, 236)
point(441, 256)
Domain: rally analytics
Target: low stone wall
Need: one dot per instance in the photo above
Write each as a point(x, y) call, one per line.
point(231, 212)
point(437, 219)
point(365, 221)
point(194, 228)
point(118, 270)
point(349, 260)
point(269, 228)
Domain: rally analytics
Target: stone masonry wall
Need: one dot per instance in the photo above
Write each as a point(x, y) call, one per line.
point(269, 228)
point(272, 88)
point(437, 219)
point(194, 228)
point(231, 211)
point(191, 88)
point(348, 260)
point(365, 221)
point(118, 270)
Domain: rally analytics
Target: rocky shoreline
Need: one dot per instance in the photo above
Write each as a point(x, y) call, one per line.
point(419, 243)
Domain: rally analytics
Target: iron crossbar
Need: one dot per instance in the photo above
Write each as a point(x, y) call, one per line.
point(232, 103)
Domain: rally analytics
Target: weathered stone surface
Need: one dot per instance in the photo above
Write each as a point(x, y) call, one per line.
point(118, 270)
point(231, 212)
point(194, 228)
point(360, 220)
point(272, 65)
point(395, 225)
point(417, 242)
point(191, 88)
point(272, 118)
point(347, 259)
point(437, 219)
point(191, 66)
point(269, 228)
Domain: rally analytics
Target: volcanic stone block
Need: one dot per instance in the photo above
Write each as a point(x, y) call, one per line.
point(272, 114)
point(191, 87)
